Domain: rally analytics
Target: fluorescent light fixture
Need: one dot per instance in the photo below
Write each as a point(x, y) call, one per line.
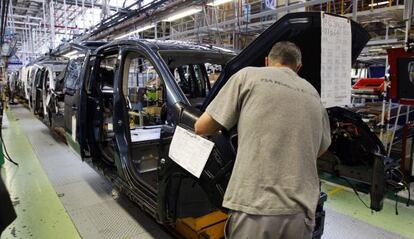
point(378, 4)
point(185, 13)
point(71, 53)
point(141, 29)
point(218, 2)
point(75, 56)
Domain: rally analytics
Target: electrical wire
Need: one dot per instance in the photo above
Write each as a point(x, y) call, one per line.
point(6, 153)
point(396, 184)
point(356, 192)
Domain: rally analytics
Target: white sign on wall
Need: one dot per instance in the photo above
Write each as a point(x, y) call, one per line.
point(271, 4)
point(336, 62)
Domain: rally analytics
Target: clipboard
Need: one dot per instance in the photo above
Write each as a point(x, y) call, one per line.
point(190, 151)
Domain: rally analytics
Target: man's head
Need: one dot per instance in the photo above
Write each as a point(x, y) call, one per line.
point(285, 53)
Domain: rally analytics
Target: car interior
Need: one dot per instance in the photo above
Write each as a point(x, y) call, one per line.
point(195, 72)
point(151, 132)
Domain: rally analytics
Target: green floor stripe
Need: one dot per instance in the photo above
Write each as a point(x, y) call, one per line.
point(346, 202)
point(40, 212)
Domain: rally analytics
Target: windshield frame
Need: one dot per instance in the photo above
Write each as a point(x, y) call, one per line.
point(210, 56)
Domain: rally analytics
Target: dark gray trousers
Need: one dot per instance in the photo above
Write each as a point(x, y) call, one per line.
point(241, 225)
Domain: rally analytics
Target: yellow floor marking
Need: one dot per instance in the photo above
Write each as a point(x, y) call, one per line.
point(335, 190)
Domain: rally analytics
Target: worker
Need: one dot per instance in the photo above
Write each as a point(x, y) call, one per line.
point(282, 129)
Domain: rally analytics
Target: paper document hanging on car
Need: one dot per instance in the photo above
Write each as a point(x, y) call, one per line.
point(190, 151)
point(336, 62)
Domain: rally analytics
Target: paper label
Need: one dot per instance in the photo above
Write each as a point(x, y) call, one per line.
point(336, 62)
point(190, 151)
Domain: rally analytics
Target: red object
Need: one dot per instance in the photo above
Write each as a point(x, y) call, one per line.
point(393, 55)
point(404, 169)
point(369, 85)
point(406, 101)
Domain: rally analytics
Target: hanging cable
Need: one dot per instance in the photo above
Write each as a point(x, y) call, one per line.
point(356, 192)
point(397, 180)
point(6, 153)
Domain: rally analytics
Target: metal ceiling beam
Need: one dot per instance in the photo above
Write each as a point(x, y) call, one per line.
point(377, 12)
point(86, 4)
point(27, 23)
point(25, 8)
point(124, 20)
point(252, 16)
point(27, 17)
point(384, 42)
point(288, 8)
point(70, 14)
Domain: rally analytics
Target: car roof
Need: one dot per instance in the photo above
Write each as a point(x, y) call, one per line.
point(171, 45)
point(93, 44)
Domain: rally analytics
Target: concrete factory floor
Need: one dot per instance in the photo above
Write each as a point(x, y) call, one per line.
point(56, 195)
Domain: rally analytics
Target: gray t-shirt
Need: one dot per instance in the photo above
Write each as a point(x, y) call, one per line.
point(282, 127)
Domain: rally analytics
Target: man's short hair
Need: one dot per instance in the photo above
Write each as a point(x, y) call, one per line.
point(286, 53)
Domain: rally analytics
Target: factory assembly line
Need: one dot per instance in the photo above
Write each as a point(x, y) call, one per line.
point(119, 104)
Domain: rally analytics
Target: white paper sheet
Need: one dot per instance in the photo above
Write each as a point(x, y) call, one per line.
point(336, 43)
point(144, 134)
point(190, 151)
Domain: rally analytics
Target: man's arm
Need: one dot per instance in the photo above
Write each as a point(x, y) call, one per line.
point(322, 153)
point(206, 125)
point(326, 134)
point(223, 111)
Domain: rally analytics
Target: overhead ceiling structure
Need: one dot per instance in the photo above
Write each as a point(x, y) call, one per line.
point(235, 23)
point(41, 25)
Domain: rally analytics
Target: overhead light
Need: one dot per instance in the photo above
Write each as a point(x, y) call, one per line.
point(378, 4)
point(75, 56)
point(185, 13)
point(218, 2)
point(141, 29)
point(217, 29)
point(71, 53)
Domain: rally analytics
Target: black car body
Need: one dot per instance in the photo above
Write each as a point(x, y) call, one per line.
point(61, 98)
point(132, 88)
point(129, 81)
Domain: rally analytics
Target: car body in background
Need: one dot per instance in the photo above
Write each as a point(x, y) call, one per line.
point(26, 75)
point(43, 82)
point(13, 85)
point(48, 76)
point(66, 104)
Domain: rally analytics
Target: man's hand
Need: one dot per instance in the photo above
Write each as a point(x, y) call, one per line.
point(206, 125)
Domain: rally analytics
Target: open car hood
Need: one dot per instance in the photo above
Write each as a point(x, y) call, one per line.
point(359, 155)
point(303, 29)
